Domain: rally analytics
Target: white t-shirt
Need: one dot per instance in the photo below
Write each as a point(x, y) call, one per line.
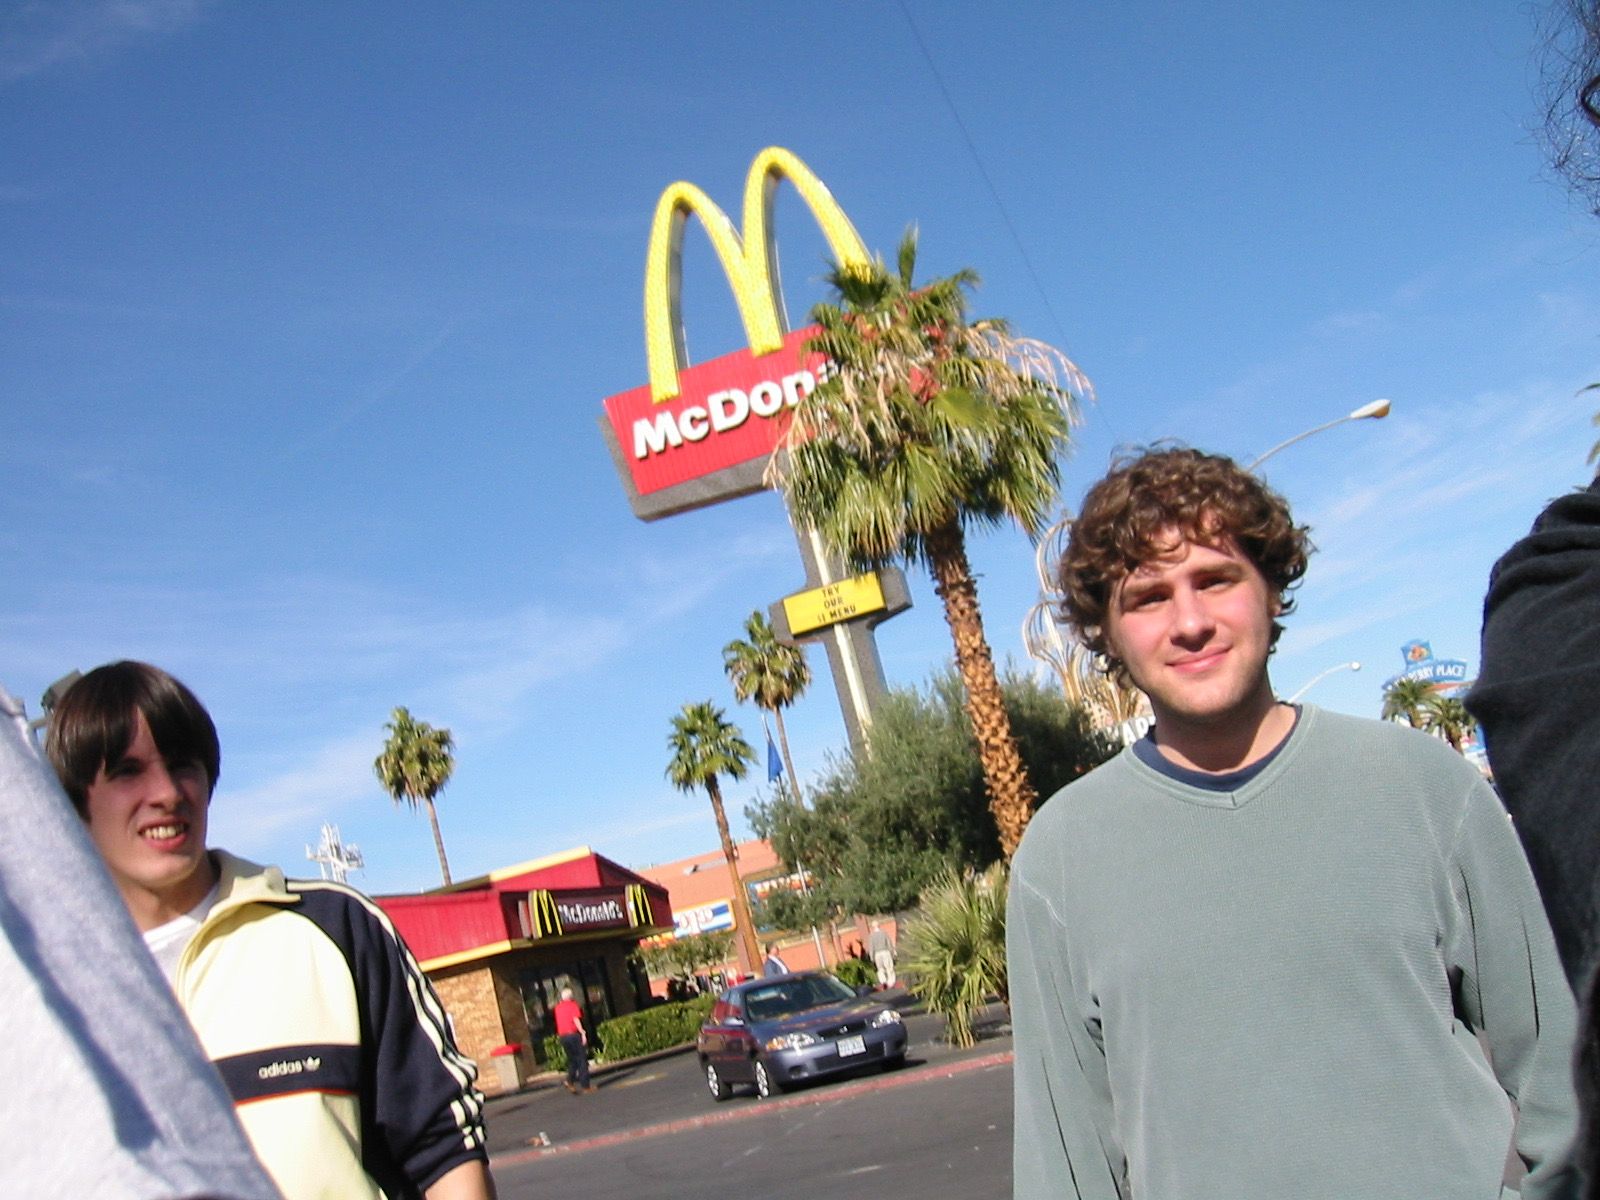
point(167, 941)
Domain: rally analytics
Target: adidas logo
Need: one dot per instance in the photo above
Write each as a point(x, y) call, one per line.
point(291, 1066)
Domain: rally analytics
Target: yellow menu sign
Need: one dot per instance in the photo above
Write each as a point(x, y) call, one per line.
point(837, 602)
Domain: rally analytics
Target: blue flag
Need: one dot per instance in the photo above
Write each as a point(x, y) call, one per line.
point(774, 763)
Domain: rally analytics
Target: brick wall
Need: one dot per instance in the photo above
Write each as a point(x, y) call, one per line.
point(471, 999)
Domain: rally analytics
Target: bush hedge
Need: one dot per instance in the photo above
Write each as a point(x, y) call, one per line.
point(652, 1029)
point(853, 972)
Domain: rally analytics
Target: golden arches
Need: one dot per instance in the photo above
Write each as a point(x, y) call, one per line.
point(749, 260)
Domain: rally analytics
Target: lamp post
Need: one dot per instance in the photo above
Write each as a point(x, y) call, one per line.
point(1320, 676)
point(1377, 410)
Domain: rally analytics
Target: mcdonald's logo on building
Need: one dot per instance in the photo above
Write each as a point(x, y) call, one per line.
point(546, 918)
point(638, 906)
point(699, 434)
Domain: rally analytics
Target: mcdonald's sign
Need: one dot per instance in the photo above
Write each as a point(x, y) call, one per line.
point(562, 914)
point(697, 435)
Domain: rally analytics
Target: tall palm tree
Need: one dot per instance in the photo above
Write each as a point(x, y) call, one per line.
point(1407, 699)
point(771, 673)
point(930, 424)
point(1448, 717)
point(704, 746)
point(416, 763)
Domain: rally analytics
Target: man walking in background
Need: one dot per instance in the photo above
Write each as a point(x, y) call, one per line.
point(882, 951)
point(1251, 955)
point(575, 1041)
point(773, 964)
point(328, 1036)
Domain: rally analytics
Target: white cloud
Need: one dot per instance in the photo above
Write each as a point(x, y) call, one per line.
point(333, 776)
point(40, 37)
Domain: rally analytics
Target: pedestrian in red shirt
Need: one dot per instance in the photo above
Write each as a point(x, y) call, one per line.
point(569, 1028)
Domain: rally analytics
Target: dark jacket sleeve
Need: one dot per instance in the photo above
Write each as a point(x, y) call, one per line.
point(1535, 699)
point(421, 1115)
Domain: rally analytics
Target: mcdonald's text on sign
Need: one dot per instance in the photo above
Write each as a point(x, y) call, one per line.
point(729, 411)
point(837, 602)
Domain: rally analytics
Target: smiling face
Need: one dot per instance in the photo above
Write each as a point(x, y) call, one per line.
point(1193, 629)
point(147, 817)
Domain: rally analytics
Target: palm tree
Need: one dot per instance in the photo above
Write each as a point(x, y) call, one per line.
point(931, 423)
point(416, 763)
point(773, 674)
point(1448, 717)
point(704, 745)
point(1406, 699)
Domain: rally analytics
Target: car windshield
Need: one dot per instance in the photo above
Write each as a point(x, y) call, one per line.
point(794, 995)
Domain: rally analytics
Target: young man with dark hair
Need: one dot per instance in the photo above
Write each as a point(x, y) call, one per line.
point(1251, 956)
point(331, 1041)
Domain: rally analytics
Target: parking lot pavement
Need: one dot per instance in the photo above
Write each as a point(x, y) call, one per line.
point(667, 1093)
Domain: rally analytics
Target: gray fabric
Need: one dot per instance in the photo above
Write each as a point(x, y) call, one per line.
point(1274, 992)
point(107, 1093)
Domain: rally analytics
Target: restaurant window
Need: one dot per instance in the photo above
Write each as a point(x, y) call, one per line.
point(541, 989)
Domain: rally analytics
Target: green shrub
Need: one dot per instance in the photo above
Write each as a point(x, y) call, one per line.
point(853, 972)
point(658, 1028)
point(555, 1054)
point(954, 947)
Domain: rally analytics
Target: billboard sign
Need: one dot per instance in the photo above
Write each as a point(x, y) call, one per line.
point(707, 918)
point(699, 435)
point(712, 440)
point(1421, 665)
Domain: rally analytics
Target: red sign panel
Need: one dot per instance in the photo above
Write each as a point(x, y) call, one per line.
point(729, 411)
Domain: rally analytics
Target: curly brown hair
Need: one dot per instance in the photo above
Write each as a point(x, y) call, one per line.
point(1129, 518)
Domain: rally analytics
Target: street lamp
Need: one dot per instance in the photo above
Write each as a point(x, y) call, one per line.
point(1320, 676)
point(1377, 410)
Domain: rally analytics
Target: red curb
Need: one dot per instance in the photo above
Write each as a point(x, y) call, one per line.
point(821, 1095)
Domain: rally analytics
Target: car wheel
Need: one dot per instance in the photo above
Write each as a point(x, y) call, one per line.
point(719, 1089)
point(766, 1087)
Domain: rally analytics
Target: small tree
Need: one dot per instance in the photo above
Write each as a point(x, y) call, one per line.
point(953, 949)
point(883, 823)
point(685, 957)
point(417, 761)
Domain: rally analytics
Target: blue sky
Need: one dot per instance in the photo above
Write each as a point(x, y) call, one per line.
point(307, 312)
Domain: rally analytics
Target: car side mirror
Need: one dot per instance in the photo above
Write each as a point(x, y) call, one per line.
point(865, 989)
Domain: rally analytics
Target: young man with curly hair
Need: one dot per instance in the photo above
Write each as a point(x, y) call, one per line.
point(328, 1037)
point(1252, 956)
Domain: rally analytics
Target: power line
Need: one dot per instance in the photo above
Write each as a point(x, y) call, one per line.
point(977, 159)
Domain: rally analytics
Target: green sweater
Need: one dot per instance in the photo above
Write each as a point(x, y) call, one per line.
point(1271, 994)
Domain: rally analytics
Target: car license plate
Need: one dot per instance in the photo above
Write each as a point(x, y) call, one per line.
point(851, 1045)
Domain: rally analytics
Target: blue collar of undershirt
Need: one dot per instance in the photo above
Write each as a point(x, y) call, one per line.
point(1147, 752)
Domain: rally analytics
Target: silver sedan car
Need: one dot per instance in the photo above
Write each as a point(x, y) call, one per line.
point(782, 1030)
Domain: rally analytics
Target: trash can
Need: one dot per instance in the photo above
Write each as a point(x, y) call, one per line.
point(508, 1066)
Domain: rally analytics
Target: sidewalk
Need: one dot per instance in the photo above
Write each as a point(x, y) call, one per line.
point(664, 1093)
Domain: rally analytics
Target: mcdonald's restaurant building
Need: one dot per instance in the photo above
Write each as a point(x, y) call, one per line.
point(499, 948)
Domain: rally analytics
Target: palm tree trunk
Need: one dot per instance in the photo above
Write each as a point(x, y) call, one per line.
point(1012, 797)
point(788, 763)
point(740, 901)
point(438, 841)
